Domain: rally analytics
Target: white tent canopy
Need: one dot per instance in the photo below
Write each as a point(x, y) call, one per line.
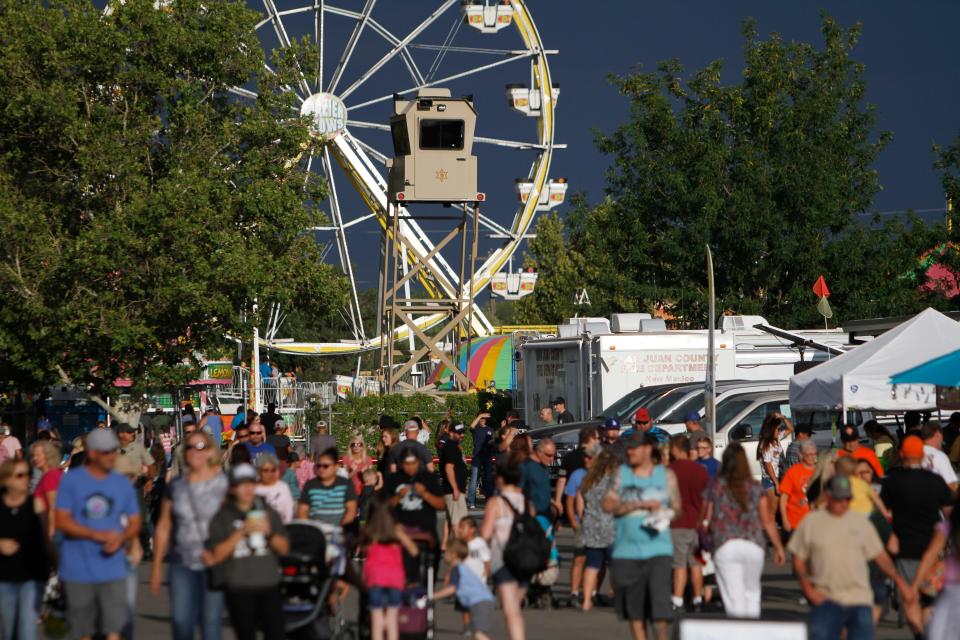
point(860, 379)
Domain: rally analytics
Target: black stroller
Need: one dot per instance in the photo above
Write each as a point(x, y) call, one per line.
point(306, 583)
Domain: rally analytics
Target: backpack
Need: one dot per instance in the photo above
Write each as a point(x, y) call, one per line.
point(527, 551)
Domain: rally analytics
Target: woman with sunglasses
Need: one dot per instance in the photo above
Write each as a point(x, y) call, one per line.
point(23, 553)
point(356, 461)
point(187, 508)
point(274, 492)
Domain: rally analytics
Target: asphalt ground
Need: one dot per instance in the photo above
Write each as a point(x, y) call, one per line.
point(781, 601)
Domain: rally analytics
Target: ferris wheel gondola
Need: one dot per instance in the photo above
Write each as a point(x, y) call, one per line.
point(343, 117)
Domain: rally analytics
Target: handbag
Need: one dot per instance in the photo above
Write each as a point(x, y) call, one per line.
point(217, 574)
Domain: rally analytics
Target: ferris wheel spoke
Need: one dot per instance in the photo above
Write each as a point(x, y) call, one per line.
point(344, 250)
point(384, 33)
point(463, 74)
point(284, 39)
point(351, 45)
point(318, 33)
point(243, 93)
point(513, 144)
point(442, 52)
point(400, 46)
point(306, 176)
point(480, 50)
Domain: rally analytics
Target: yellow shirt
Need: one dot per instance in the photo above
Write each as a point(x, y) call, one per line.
point(861, 503)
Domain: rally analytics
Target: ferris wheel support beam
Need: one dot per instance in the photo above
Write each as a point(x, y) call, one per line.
point(281, 32)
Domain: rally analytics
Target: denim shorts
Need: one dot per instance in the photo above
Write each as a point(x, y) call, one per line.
point(767, 483)
point(383, 598)
point(598, 556)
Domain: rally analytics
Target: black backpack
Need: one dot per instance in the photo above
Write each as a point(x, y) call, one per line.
point(527, 552)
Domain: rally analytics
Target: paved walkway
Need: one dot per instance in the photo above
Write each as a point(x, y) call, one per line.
point(780, 601)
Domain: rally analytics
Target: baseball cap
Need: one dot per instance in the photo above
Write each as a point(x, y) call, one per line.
point(839, 488)
point(321, 423)
point(458, 428)
point(410, 454)
point(912, 447)
point(642, 415)
point(849, 433)
point(558, 400)
point(241, 473)
point(693, 416)
point(410, 425)
point(611, 423)
point(639, 439)
point(124, 427)
point(803, 428)
point(101, 440)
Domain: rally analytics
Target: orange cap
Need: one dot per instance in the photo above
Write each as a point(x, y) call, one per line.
point(912, 447)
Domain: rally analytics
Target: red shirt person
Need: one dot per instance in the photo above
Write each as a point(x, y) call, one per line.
point(850, 446)
point(692, 478)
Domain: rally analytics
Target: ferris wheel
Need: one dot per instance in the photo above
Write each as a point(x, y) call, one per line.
point(371, 54)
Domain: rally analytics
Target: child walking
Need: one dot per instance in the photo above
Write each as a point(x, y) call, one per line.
point(470, 589)
point(383, 574)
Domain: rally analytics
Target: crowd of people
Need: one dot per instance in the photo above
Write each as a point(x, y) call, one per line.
point(657, 518)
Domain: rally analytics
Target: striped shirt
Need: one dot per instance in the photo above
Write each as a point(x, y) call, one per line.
point(328, 504)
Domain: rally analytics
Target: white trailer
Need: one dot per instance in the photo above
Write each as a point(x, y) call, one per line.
point(596, 366)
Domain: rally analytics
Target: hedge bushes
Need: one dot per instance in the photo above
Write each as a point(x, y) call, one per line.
point(362, 414)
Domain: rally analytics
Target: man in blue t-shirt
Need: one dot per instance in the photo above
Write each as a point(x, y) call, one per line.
point(535, 478)
point(482, 467)
point(257, 443)
point(98, 514)
point(212, 423)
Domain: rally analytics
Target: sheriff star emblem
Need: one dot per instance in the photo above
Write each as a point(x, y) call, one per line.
point(442, 175)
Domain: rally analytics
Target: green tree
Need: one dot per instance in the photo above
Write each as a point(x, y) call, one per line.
point(145, 211)
point(561, 272)
point(772, 172)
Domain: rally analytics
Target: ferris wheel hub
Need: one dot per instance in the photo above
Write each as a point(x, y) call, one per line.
point(327, 113)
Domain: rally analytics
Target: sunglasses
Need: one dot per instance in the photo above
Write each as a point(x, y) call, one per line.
point(198, 446)
point(243, 436)
point(256, 433)
point(268, 470)
point(356, 444)
point(324, 465)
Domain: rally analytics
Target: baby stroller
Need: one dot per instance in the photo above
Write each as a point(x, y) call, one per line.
point(540, 592)
point(416, 606)
point(308, 573)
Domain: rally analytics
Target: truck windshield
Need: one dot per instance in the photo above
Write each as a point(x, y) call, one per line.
point(630, 401)
point(726, 411)
point(679, 414)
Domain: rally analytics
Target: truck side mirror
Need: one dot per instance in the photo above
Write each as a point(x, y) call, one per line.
point(741, 431)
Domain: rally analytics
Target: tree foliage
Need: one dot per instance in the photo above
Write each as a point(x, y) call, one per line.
point(773, 173)
point(144, 209)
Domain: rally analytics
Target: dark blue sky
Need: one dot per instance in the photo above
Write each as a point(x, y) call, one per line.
point(909, 50)
point(910, 58)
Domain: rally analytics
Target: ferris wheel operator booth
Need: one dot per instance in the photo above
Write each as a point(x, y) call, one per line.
point(433, 145)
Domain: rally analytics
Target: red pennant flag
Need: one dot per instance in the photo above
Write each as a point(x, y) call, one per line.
point(820, 288)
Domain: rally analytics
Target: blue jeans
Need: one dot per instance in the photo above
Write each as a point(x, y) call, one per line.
point(192, 604)
point(19, 608)
point(480, 470)
point(827, 619)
